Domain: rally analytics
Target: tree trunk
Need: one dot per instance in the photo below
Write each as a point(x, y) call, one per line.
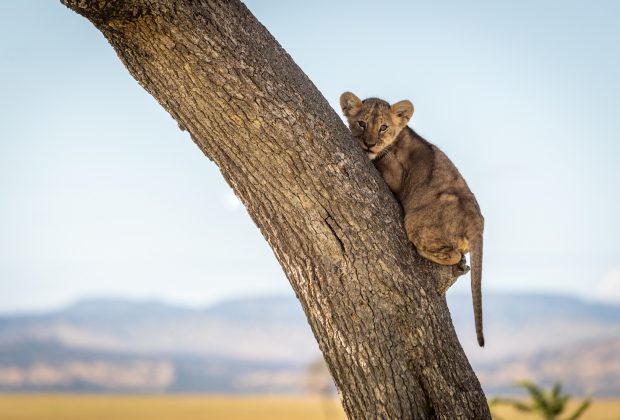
point(335, 228)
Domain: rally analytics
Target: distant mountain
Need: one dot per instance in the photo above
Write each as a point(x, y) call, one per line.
point(247, 329)
point(265, 345)
point(591, 366)
point(519, 325)
point(49, 366)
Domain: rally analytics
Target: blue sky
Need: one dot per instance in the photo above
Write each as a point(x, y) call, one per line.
point(101, 194)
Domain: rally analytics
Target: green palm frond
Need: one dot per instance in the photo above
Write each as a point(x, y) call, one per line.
point(537, 395)
point(518, 404)
point(556, 390)
point(548, 404)
point(581, 409)
point(557, 401)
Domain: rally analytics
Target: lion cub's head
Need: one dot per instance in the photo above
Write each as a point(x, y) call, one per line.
point(374, 122)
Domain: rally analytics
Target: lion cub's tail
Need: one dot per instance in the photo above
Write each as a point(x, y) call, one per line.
point(476, 284)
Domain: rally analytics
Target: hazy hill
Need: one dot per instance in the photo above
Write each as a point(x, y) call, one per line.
point(523, 325)
point(251, 329)
point(265, 344)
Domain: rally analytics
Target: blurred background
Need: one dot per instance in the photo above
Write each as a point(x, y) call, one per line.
point(127, 265)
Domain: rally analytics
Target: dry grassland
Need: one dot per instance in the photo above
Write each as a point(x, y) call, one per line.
point(197, 407)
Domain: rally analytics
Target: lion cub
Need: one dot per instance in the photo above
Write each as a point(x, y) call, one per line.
point(442, 217)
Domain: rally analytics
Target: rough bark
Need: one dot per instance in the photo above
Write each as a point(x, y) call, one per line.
point(385, 333)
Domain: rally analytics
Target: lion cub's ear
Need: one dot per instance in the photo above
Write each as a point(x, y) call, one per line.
point(350, 104)
point(402, 111)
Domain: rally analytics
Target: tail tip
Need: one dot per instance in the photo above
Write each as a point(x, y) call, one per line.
point(481, 341)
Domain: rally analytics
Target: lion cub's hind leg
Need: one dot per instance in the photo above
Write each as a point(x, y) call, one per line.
point(446, 255)
point(431, 243)
point(443, 254)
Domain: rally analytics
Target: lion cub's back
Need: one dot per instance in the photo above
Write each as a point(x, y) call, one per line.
point(444, 199)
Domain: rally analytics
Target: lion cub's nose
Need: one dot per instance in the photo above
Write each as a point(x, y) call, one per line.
point(369, 144)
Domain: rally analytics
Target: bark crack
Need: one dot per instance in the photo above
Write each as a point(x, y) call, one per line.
point(329, 220)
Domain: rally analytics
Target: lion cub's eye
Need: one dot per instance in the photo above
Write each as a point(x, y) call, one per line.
point(383, 128)
point(361, 124)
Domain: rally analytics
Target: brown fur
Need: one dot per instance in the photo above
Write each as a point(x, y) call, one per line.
point(442, 217)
